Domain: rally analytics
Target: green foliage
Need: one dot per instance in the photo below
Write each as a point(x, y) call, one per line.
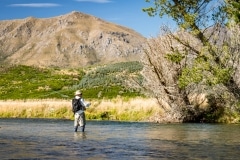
point(176, 57)
point(110, 92)
point(190, 75)
point(210, 62)
point(23, 82)
point(203, 71)
point(111, 80)
point(191, 16)
point(188, 14)
point(232, 8)
point(26, 82)
point(221, 75)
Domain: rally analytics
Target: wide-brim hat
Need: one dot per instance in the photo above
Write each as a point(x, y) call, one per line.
point(78, 92)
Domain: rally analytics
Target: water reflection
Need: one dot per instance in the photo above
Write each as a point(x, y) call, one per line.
point(80, 136)
point(55, 139)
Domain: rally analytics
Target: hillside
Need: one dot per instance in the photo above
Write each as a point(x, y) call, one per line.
point(103, 81)
point(70, 40)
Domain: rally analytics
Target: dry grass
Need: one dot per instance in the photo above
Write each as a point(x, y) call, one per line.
point(35, 109)
point(138, 109)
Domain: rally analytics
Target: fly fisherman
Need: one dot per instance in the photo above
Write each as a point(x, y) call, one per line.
point(78, 108)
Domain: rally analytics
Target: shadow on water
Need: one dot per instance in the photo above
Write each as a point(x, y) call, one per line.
point(56, 139)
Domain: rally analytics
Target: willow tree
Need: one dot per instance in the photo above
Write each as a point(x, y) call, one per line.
point(199, 53)
point(232, 8)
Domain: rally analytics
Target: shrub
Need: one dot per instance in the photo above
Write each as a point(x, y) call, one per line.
point(41, 83)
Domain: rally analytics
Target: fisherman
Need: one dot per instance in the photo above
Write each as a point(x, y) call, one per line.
point(78, 108)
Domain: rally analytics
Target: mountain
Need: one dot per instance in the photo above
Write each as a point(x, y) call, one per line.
point(71, 40)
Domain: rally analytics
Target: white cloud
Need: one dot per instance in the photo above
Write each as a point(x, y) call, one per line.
point(95, 1)
point(35, 5)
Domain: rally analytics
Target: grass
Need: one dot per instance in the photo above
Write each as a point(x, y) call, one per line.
point(137, 109)
point(32, 92)
point(107, 81)
point(35, 109)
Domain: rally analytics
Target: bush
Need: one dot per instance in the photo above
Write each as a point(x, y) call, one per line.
point(27, 82)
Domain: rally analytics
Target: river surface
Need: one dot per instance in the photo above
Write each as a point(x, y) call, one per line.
point(56, 139)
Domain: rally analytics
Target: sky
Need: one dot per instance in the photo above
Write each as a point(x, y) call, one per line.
point(126, 13)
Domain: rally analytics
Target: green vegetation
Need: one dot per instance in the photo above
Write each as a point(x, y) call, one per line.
point(200, 59)
point(232, 9)
point(108, 81)
point(111, 80)
point(24, 90)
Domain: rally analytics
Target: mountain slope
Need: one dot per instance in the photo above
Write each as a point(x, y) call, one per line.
point(71, 40)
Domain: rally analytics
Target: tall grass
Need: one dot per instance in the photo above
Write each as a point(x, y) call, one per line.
point(137, 109)
point(35, 109)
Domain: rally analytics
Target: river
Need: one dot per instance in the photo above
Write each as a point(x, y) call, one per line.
point(56, 139)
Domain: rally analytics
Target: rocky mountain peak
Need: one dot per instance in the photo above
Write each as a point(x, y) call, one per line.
point(71, 40)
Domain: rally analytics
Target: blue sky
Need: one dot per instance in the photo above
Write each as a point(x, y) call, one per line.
point(127, 13)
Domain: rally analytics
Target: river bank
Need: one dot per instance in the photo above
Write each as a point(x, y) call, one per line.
point(137, 109)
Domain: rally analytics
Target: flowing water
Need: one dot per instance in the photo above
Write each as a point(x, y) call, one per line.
point(55, 139)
